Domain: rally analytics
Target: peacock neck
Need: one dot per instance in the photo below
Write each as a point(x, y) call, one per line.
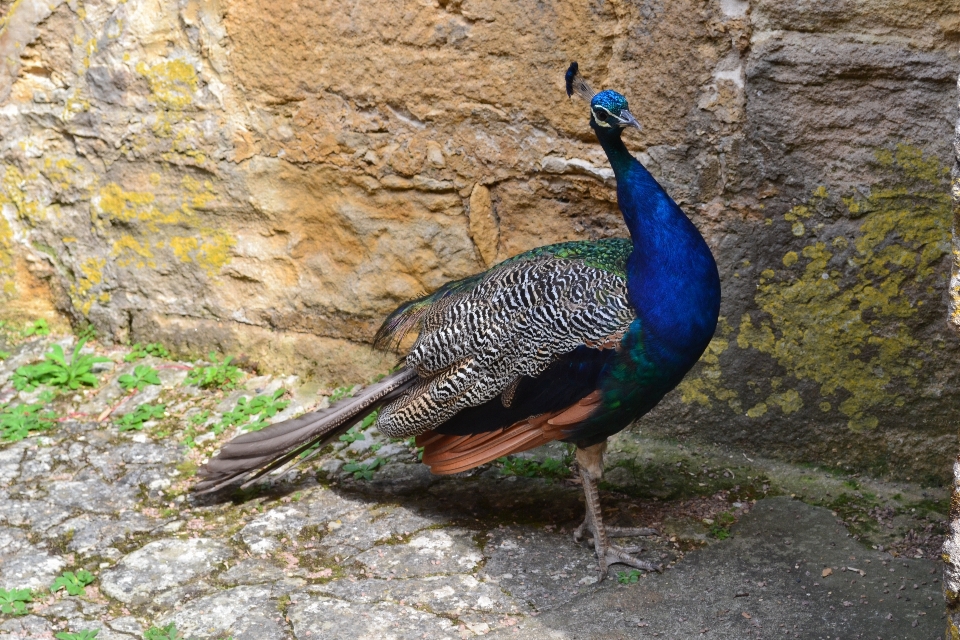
point(672, 278)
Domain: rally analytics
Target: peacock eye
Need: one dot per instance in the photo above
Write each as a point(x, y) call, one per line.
point(600, 114)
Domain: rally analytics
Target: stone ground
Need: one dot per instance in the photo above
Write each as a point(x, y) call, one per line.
point(365, 543)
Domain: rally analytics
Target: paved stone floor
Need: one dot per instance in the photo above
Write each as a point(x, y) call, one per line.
point(365, 543)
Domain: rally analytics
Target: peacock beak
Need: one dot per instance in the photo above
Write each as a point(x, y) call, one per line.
point(626, 119)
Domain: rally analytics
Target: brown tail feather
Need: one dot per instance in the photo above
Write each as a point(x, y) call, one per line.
point(252, 454)
point(447, 454)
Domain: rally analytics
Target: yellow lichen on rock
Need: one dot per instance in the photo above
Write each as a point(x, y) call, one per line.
point(84, 292)
point(129, 252)
point(8, 287)
point(706, 386)
point(173, 83)
point(849, 337)
point(207, 247)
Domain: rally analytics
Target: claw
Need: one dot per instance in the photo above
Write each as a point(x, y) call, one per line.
point(615, 555)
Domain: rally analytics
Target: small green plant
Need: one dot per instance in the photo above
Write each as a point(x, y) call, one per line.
point(13, 602)
point(628, 577)
point(135, 420)
point(363, 471)
point(197, 420)
point(87, 333)
point(17, 422)
point(194, 422)
point(340, 393)
point(4, 355)
point(139, 351)
point(252, 414)
point(352, 435)
point(551, 468)
point(142, 377)
point(720, 529)
point(168, 632)
point(55, 371)
point(86, 634)
point(36, 328)
point(220, 374)
point(74, 583)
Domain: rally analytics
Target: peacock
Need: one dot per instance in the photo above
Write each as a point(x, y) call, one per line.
point(570, 342)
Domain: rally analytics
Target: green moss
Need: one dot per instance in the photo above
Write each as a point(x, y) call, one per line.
point(847, 332)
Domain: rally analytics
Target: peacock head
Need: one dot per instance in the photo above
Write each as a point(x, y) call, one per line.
point(608, 109)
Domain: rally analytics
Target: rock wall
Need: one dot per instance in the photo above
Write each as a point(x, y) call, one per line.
point(272, 178)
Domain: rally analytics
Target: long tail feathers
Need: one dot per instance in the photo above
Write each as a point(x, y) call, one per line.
point(251, 455)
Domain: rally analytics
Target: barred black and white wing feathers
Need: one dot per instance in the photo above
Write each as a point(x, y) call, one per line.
point(478, 338)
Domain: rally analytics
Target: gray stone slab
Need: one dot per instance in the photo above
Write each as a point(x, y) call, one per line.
point(252, 571)
point(12, 541)
point(332, 619)
point(162, 565)
point(539, 568)
point(92, 496)
point(262, 534)
point(245, 613)
point(775, 562)
point(10, 458)
point(25, 628)
point(447, 595)
point(379, 523)
point(31, 568)
point(439, 551)
point(92, 533)
point(39, 515)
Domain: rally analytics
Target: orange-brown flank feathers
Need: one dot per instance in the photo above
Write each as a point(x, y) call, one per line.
point(446, 454)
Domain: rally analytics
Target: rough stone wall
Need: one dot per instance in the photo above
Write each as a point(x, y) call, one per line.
point(273, 177)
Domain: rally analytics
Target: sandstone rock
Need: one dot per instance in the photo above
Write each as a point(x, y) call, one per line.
point(272, 178)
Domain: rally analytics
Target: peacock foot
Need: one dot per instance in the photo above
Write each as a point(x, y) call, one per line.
point(612, 532)
point(608, 554)
point(624, 555)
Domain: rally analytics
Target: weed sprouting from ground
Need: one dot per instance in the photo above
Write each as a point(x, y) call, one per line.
point(219, 374)
point(57, 372)
point(73, 583)
point(85, 634)
point(168, 632)
point(139, 351)
point(551, 468)
point(13, 602)
point(253, 414)
point(17, 422)
point(720, 529)
point(142, 377)
point(135, 420)
point(363, 470)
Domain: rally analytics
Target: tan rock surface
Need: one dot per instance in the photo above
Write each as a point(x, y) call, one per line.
point(272, 178)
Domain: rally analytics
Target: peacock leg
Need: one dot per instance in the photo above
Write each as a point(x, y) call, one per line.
point(590, 461)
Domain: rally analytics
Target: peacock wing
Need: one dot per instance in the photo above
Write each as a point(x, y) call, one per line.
point(479, 336)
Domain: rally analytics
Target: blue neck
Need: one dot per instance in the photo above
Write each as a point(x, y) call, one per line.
point(672, 278)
